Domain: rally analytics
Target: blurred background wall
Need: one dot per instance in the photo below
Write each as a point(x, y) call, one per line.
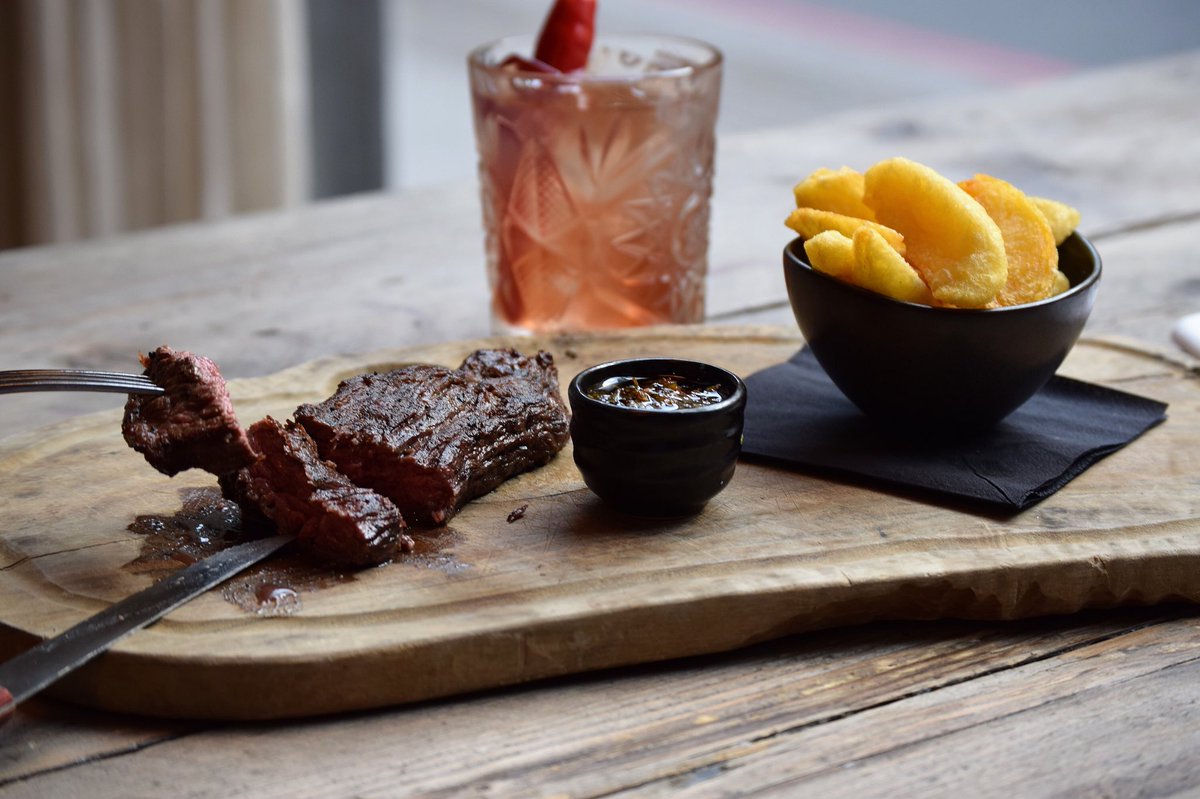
point(118, 115)
point(133, 113)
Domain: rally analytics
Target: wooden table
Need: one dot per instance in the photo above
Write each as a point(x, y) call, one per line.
point(1100, 703)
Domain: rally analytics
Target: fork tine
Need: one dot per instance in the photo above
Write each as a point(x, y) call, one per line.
point(72, 373)
point(75, 380)
point(110, 388)
point(128, 380)
point(115, 388)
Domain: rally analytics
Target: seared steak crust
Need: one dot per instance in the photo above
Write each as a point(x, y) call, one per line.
point(431, 438)
point(334, 519)
point(193, 424)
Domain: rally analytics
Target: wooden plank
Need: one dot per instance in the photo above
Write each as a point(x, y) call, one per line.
point(1123, 711)
point(261, 293)
point(46, 736)
point(1150, 280)
point(399, 752)
point(637, 729)
point(348, 276)
point(572, 587)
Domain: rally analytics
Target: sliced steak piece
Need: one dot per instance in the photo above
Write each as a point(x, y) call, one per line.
point(193, 424)
point(431, 438)
point(331, 517)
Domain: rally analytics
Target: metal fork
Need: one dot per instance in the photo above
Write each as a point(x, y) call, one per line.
point(16, 380)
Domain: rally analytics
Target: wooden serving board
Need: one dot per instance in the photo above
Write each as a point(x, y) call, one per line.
point(572, 586)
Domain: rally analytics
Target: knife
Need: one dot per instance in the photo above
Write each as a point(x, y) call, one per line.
point(32, 670)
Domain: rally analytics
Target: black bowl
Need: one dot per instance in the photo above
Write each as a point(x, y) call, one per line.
point(657, 462)
point(938, 370)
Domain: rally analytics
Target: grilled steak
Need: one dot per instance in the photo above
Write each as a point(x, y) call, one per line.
point(431, 438)
point(193, 424)
point(334, 519)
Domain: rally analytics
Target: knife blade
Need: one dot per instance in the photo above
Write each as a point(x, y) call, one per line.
point(36, 668)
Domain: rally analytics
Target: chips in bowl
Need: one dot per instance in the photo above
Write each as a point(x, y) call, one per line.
point(1063, 218)
point(981, 243)
point(880, 268)
point(837, 190)
point(1028, 240)
point(831, 252)
point(808, 222)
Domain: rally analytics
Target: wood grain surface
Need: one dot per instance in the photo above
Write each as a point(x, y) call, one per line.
point(572, 586)
point(263, 292)
point(1095, 703)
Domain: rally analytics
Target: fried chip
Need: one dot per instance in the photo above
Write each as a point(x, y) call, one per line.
point(836, 190)
point(1061, 283)
point(808, 222)
point(949, 238)
point(880, 268)
point(1028, 240)
point(832, 253)
point(1063, 218)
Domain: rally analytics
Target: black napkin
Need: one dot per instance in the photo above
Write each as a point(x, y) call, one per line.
point(796, 415)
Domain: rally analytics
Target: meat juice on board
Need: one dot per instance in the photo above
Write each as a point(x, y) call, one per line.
point(595, 185)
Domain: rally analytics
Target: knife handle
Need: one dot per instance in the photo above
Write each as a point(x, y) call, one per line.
point(7, 705)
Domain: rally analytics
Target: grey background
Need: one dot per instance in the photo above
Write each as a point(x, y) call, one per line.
point(391, 107)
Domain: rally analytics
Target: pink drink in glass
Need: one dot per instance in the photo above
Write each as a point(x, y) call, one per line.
point(596, 185)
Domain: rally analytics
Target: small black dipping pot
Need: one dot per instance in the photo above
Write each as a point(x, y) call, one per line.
point(657, 461)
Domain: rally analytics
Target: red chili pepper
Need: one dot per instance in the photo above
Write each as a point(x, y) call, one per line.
point(566, 37)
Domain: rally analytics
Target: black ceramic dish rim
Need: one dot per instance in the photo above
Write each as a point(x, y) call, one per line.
point(794, 259)
point(735, 397)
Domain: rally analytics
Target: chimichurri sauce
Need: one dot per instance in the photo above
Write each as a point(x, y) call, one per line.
point(665, 392)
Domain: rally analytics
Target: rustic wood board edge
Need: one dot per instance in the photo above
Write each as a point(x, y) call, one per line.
point(125, 682)
point(129, 679)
